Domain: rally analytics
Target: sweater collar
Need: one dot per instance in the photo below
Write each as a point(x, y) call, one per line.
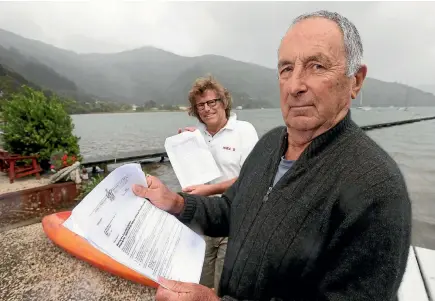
point(319, 143)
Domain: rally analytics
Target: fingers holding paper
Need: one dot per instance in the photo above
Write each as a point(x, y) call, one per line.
point(203, 189)
point(182, 291)
point(160, 195)
point(189, 129)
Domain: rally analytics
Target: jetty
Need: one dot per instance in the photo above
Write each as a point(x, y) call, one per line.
point(395, 123)
point(103, 161)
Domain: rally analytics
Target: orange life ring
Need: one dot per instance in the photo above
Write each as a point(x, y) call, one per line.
point(80, 248)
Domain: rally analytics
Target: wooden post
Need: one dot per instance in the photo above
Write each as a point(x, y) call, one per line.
point(105, 169)
point(36, 167)
point(11, 170)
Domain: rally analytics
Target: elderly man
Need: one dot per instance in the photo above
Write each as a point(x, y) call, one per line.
point(319, 210)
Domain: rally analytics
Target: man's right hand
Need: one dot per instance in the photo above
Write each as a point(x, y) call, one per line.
point(160, 195)
point(190, 129)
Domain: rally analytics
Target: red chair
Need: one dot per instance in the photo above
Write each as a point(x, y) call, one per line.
point(8, 163)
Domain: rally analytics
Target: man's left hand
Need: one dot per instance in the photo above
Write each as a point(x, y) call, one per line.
point(182, 291)
point(203, 189)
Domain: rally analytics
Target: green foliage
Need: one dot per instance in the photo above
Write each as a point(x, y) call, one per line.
point(89, 185)
point(35, 124)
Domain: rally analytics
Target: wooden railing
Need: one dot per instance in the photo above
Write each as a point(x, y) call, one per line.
point(103, 161)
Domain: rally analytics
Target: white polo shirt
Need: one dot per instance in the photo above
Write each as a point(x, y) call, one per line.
point(230, 146)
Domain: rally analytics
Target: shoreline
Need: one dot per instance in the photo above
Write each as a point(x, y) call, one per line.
point(128, 112)
point(249, 109)
point(161, 111)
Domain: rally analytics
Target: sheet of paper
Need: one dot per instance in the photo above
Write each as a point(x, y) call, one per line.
point(136, 233)
point(191, 159)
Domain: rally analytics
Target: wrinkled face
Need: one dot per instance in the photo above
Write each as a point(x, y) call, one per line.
point(314, 88)
point(211, 109)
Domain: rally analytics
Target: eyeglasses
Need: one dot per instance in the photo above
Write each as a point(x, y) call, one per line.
point(211, 103)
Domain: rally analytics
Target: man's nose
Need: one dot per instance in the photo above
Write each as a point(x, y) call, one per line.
point(206, 107)
point(295, 85)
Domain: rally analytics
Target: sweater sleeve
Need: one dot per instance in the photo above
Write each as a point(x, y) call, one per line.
point(367, 254)
point(210, 214)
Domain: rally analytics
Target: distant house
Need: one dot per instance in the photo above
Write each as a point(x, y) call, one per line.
point(239, 108)
point(134, 107)
point(183, 108)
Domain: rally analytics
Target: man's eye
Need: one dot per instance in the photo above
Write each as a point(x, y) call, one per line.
point(318, 66)
point(285, 70)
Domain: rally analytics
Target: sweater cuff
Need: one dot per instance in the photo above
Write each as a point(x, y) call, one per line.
point(189, 209)
point(227, 298)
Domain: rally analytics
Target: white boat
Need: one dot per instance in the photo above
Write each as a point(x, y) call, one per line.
point(361, 107)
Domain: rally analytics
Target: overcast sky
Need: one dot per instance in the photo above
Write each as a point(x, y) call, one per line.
point(398, 37)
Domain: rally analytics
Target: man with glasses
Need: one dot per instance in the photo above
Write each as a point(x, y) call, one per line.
point(230, 142)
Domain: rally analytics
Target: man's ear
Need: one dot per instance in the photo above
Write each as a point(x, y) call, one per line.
point(358, 80)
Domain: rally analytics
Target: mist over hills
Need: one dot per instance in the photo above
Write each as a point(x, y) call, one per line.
point(428, 88)
point(140, 75)
point(11, 82)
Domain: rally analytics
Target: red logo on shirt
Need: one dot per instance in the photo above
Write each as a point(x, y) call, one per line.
point(229, 148)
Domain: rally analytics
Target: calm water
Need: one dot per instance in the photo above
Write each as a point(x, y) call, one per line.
point(104, 134)
point(412, 146)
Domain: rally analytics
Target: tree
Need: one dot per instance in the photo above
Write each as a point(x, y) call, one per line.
point(150, 104)
point(37, 124)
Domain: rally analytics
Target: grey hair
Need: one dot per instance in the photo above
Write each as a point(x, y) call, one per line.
point(352, 40)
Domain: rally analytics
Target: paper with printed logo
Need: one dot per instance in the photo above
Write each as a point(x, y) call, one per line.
point(134, 232)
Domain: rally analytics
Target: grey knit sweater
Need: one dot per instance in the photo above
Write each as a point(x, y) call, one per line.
point(335, 227)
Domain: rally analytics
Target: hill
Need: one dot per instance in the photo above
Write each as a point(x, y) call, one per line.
point(141, 75)
point(428, 88)
point(378, 93)
point(11, 82)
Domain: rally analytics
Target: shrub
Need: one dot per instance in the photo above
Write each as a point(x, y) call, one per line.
point(88, 186)
point(35, 124)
